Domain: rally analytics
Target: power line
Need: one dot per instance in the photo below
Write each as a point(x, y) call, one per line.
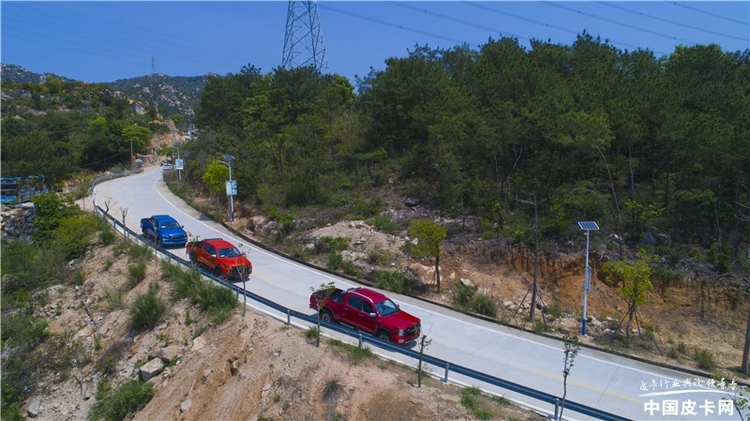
point(670, 21)
point(648, 31)
point(392, 25)
point(705, 12)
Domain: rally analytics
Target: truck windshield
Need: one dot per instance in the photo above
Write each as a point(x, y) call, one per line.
point(169, 225)
point(229, 252)
point(386, 308)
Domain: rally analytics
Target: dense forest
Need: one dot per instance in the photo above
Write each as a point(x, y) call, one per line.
point(655, 149)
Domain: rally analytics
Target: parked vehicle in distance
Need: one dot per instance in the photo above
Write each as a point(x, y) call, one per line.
point(164, 230)
point(221, 257)
point(367, 310)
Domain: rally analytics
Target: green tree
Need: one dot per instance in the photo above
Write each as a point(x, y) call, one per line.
point(571, 346)
point(636, 282)
point(428, 235)
point(139, 136)
point(215, 178)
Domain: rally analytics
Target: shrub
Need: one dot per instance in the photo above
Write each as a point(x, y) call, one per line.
point(287, 222)
point(330, 244)
point(138, 252)
point(114, 298)
point(73, 234)
point(462, 296)
point(555, 309)
point(136, 273)
point(146, 311)
point(380, 257)
point(485, 305)
point(332, 390)
point(218, 301)
point(79, 278)
point(128, 399)
point(335, 261)
point(351, 269)
point(705, 360)
point(185, 284)
point(394, 281)
point(384, 223)
point(311, 333)
point(107, 236)
point(357, 354)
point(25, 266)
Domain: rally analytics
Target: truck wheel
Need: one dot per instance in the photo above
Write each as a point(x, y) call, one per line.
point(327, 316)
point(218, 272)
point(384, 336)
point(158, 241)
point(191, 256)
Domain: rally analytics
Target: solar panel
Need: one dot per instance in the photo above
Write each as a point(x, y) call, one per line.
point(588, 225)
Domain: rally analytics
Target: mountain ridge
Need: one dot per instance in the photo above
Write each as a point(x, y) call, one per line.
point(169, 94)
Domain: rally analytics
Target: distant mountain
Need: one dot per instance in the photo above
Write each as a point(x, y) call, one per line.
point(18, 74)
point(169, 94)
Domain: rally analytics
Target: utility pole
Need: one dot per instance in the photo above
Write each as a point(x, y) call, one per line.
point(303, 39)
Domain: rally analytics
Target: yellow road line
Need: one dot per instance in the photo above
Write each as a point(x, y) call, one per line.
point(587, 386)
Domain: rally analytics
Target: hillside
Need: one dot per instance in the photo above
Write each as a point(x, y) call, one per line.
point(170, 95)
point(250, 367)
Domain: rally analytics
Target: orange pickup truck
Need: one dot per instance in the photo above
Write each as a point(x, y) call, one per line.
point(221, 257)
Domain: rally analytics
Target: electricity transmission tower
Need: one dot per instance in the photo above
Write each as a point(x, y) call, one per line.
point(303, 41)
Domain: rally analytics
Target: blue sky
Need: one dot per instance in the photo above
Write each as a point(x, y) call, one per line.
point(104, 41)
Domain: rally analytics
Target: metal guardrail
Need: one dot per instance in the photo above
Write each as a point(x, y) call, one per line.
point(365, 338)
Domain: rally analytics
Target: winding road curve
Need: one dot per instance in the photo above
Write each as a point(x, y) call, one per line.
point(614, 384)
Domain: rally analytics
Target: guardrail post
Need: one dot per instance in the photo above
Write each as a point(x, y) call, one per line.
point(288, 316)
point(447, 368)
point(359, 344)
point(557, 408)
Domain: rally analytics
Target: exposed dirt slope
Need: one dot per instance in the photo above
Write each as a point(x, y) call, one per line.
point(251, 367)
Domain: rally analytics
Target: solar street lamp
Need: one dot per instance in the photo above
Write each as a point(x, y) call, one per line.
point(231, 185)
point(586, 226)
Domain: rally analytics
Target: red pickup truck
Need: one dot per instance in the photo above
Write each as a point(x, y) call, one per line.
point(367, 310)
point(221, 257)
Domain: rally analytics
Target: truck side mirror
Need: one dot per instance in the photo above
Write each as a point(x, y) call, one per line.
point(372, 315)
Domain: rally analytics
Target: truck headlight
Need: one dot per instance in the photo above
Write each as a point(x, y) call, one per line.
point(401, 332)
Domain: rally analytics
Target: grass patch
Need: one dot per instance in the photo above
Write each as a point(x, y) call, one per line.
point(705, 360)
point(311, 333)
point(332, 390)
point(218, 301)
point(147, 311)
point(331, 245)
point(136, 273)
point(384, 223)
point(128, 399)
point(394, 281)
point(470, 397)
point(380, 257)
point(465, 298)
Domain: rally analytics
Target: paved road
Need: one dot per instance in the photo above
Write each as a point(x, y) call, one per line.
point(610, 383)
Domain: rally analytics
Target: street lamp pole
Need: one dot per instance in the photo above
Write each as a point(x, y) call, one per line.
point(587, 226)
point(132, 158)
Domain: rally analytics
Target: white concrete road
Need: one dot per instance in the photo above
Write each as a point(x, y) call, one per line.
point(610, 383)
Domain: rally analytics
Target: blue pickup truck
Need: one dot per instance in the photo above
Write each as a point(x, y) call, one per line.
point(164, 230)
